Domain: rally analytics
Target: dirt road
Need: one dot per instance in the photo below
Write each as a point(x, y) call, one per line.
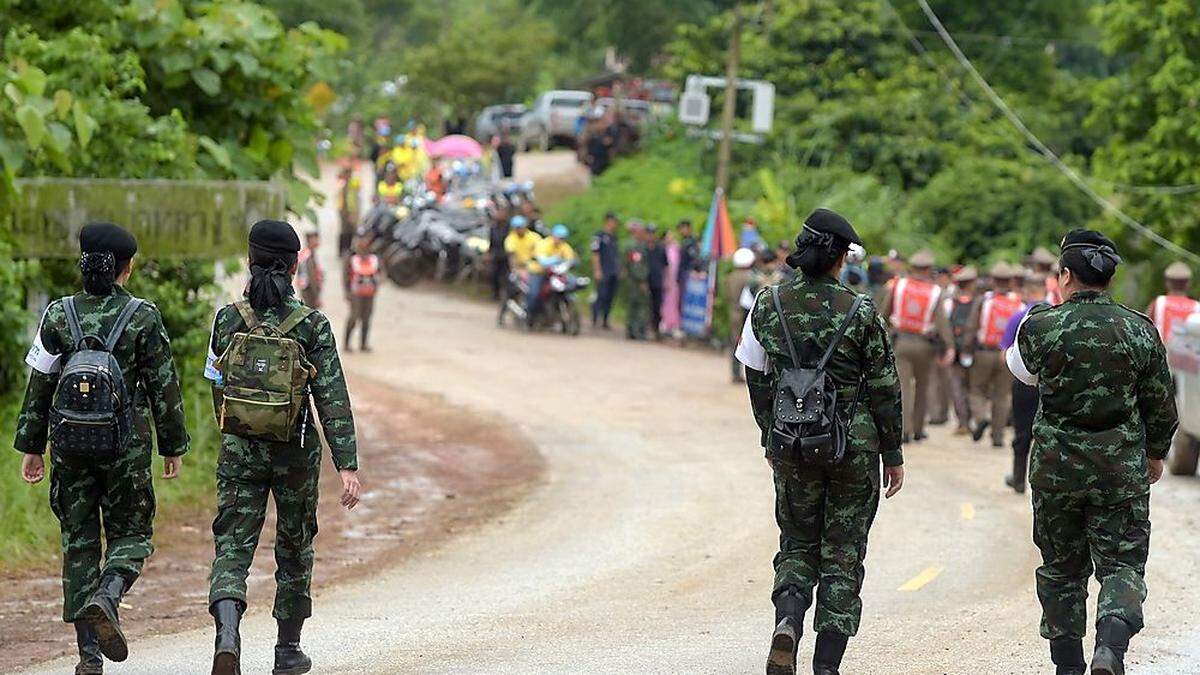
point(647, 546)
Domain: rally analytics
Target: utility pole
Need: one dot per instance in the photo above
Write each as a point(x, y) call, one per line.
point(729, 105)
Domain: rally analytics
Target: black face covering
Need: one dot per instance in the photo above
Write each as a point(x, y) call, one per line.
point(269, 283)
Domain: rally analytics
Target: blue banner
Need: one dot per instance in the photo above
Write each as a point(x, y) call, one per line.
point(695, 304)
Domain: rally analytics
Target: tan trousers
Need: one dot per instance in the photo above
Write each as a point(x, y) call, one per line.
point(939, 393)
point(915, 358)
point(959, 391)
point(991, 391)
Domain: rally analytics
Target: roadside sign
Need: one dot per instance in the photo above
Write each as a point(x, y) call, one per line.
point(170, 218)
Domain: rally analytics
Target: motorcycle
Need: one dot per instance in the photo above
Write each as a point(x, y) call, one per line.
point(557, 306)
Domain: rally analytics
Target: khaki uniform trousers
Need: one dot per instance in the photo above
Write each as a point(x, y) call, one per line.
point(915, 357)
point(991, 391)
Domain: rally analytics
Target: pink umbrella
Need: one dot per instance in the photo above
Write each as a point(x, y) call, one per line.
point(455, 147)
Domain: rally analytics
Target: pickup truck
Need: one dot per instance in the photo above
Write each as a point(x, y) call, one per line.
point(1183, 354)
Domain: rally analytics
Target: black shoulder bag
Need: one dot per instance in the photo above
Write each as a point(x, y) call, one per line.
point(806, 425)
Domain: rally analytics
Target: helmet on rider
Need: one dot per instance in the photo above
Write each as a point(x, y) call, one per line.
point(519, 222)
point(560, 231)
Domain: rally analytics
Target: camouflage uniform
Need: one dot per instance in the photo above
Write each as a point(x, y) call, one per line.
point(637, 270)
point(248, 470)
point(117, 492)
point(825, 513)
point(1107, 404)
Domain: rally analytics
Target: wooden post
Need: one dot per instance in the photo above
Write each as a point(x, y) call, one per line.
point(729, 105)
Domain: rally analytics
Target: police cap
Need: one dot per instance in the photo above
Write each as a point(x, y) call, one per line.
point(922, 260)
point(966, 274)
point(1001, 270)
point(1178, 271)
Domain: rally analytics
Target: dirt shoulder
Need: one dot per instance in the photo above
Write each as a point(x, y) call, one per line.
point(429, 471)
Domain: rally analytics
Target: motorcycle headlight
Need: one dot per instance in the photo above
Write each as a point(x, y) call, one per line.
point(558, 284)
point(582, 281)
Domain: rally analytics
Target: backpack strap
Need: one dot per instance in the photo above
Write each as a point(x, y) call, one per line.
point(850, 315)
point(73, 320)
point(122, 323)
point(294, 319)
point(243, 307)
point(787, 334)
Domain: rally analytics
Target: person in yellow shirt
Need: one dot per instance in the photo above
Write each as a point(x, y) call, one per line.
point(520, 244)
point(390, 189)
point(548, 252)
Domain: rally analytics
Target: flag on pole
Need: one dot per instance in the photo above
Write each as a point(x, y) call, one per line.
point(718, 242)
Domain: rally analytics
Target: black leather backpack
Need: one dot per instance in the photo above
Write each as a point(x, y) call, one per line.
point(806, 425)
point(91, 414)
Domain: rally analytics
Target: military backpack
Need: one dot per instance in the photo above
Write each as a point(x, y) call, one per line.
point(806, 424)
point(91, 414)
point(265, 377)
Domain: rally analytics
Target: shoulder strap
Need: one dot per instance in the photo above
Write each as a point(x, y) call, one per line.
point(292, 320)
point(850, 315)
point(787, 334)
point(72, 320)
point(122, 322)
point(243, 307)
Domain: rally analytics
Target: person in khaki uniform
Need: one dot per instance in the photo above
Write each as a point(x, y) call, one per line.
point(991, 383)
point(961, 306)
point(921, 334)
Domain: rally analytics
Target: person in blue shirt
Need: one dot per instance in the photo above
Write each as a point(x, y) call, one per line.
point(1024, 397)
point(606, 268)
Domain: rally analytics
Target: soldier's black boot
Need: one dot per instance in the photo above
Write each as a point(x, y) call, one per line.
point(90, 661)
point(289, 660)
point(1016, 479)
point(1067, 655)
point(101, 613)
point(1112, 639)
point(789, 619)
point(227, 651)
point(827, 655)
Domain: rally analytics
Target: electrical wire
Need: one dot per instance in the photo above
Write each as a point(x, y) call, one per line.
point(1046, 152)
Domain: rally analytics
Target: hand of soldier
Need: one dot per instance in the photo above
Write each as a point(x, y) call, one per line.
point(171, 467)
point(350, 487)
point(33, 468)
point(893, 480)
point(1154, 470)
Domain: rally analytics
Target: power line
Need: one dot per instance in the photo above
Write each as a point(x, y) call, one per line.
point(1046, 152)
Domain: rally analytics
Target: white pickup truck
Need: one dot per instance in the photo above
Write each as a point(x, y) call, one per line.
point(1183, 353)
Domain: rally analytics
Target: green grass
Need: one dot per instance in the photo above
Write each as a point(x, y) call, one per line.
point(29, 534)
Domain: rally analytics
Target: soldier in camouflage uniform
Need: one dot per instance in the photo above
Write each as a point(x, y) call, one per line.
point(249, 470)
point(1105, 424)
point(119, 492)
point(825, 512)
point(636, 263)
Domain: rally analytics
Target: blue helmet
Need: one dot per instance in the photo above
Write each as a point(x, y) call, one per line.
point(560, 231)
point(519, 221)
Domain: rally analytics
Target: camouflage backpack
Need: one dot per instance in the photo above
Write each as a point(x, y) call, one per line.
point(265, 377)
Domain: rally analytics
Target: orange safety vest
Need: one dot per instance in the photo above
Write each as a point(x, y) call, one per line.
point(364, 275)
point(994, 314)
point(302, 281)
point(1053, 294)
point(913, 304)
point(1167, 309)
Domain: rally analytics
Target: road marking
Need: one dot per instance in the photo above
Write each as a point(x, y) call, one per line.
point(917, 582)
point(968, 511)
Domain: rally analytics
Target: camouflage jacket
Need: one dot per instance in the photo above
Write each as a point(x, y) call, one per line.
point(636, 263)
point(328, 388)
point(144, 353)
point(815, 309)
point(1107, 401)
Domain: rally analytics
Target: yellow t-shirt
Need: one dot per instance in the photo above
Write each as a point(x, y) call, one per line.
point(391, 193)
point(549, 248)
point(521, 249)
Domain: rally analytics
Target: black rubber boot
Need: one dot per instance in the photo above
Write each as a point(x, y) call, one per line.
point(101, 613)
point(979, 430)
point(827, 655)
point(1112, 639)
point(1067, 655)
point(289, 660)
point(789, 621)
point(227, 650)
point(1016, 479)
point(90, 661)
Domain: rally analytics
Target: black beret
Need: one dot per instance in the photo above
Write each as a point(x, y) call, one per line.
point(107, 238)
point(1078, 238)
point(826, 221)
point(274, 236)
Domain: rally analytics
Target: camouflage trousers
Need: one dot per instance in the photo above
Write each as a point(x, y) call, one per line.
point(637, 319)
point(247, 472)
point(1076, 531)
point(118, 495)
point(824, 515)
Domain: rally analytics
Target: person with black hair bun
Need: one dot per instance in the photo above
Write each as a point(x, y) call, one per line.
point(1104, 426)
point(824, 511)
point(87, 490)
point(254, 465)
